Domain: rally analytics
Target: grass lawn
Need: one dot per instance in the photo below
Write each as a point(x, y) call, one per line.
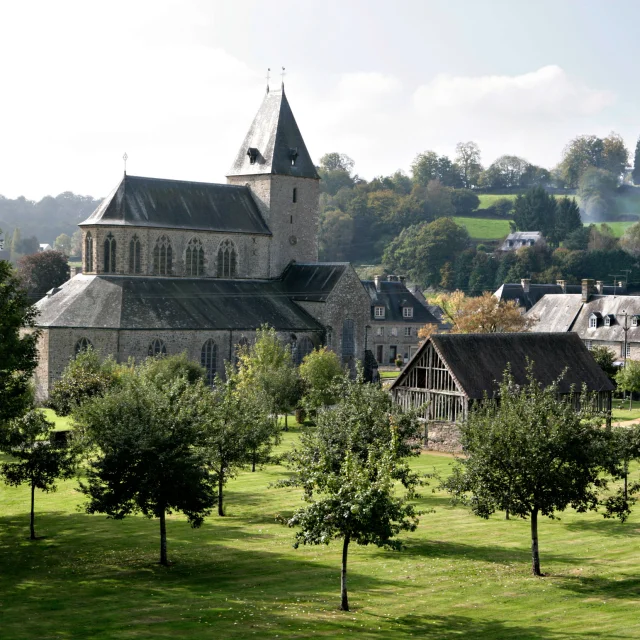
point(389, 375)
point(239, 577)
point(621, 410)
point(484, 228)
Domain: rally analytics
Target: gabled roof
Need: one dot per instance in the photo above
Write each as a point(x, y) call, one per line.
point(555, 312)
point(274, 138)
point(117, 302)
point(312, 281)
point(393, 296)
point(478, 360)
point(154, 202)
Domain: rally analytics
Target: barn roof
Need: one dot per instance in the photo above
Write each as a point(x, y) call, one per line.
point(155, 202)
point(273, 142)
point(478, 361)
point(120, 302)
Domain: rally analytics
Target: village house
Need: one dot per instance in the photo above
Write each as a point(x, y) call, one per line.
point(171, 266)
point(519, 239)
point(451, 372)
point(396, 316)
point(611, 321)
point(526, 294)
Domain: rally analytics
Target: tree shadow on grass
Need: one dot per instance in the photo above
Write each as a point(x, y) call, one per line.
point(606, 527)
point(482, 553)
point(627, 588)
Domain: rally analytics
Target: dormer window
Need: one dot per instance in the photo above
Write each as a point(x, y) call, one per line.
point(378, 312)
point(407, 312)
point(608, 320)
point(293, 155)
point(593, 321)
point(634, 321)
point(253, 154)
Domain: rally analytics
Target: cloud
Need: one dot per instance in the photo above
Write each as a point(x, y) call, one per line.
point(546, 93)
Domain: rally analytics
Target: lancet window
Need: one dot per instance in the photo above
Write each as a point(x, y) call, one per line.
point(88, 252)
point(135, 255)
point(163, 257)
point(110, 254)
point(227, 260)
point(194, 258)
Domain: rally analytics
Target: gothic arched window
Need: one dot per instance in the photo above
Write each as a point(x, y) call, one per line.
point(110, 254)
point(157, 348)
point(82, 345)
point(162, 257)
point(227, 260)
point(88, 252)
point(243, 343)
point(208, 359)
point(135, 251)
point(194, 258)
point(303, 348)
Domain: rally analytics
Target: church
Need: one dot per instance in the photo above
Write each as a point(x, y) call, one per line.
point(171, 266)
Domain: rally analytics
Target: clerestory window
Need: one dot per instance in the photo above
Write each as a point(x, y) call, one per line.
point(227, 260)
point(163, 257)
point(194, 258)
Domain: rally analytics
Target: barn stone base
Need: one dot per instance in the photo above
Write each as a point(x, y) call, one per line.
point(442, 436)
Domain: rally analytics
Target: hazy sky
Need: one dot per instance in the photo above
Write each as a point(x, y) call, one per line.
point(176, 84)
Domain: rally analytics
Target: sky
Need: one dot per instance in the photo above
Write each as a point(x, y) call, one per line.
point(176, 84)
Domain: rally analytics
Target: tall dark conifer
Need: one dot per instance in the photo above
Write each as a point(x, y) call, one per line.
point(635, 175)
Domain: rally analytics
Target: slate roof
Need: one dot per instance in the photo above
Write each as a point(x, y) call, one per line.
point(155, 202)
point(393, 296)
point(312, 282)
point(515, 291)
point(274, 134)
point(118, 302)
point(521, 239)
point(575, 316)
point(478, 360)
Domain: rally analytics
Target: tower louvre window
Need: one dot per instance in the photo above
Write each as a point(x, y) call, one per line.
point(252, 152)
point(295, 194)
point(293, 155)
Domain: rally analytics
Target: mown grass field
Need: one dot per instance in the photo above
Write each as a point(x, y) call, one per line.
point(618, 228)
point(239, 577)
point(484, 228)
point(488, 199)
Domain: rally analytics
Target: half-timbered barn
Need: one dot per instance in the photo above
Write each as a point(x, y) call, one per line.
point(452, 371)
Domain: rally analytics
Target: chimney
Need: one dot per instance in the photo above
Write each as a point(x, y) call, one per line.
point(376, 280)
point(525, 282)
point(587, 289)
point(392, 278)
point(562, 284)
point(402, 278)
point(600, 286)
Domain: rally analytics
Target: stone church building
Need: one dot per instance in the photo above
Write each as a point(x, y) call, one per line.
point(171, 266)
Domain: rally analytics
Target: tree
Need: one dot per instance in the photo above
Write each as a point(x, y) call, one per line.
point(16, 245)
point(464, 201)
point(337, 162)
point(625, 447)
point(468, 159)
point(76, 243)
point(531, 454)
point(426, 331)
point(588, 151)
point(37, 457)
point(635, 175)
point(148, 452)
point(602, 238)
point(506, 172)
point(628, 378)
point(630, 240)
point(18, 345)
point(421, 251)
point(596, 191)
point(347, 467)
point(63, 244)
point(335, 172)
point(320, 370)
point(605, 359)
point(83, 378)
point(43, 271)
point(429, 166)
point(335, 235)
point(535, 210)
point(266, 368)
point(567, 218)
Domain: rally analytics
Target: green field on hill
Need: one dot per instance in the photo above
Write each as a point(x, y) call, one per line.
point(487, 199)
point(239, 577)
point(484, 228)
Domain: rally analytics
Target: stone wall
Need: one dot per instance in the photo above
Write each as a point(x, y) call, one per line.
point(442, 436)
point(253, 250)
point(382, 339)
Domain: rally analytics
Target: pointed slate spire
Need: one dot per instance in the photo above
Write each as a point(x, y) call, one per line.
point(274, 144)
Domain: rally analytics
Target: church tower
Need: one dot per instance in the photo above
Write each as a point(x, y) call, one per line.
point(274, 163)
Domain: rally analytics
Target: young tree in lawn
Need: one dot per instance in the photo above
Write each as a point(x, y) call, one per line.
point(532, 454)
point(628, 379)
point(605, 359)
point(37, 457)
point(148, 452)
point(18, 345)
point(266, 367)
point(320, 370)
point(347, 468)
point(625, 447)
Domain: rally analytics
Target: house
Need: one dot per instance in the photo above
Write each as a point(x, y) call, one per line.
point(44, 247)
point(519, 239)
point(396, 316)
point(451, 372)
point(172, 266)
point(611, 321)
point(526, 294)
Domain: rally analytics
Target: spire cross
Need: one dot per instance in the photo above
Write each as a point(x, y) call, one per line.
point(125, 157)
